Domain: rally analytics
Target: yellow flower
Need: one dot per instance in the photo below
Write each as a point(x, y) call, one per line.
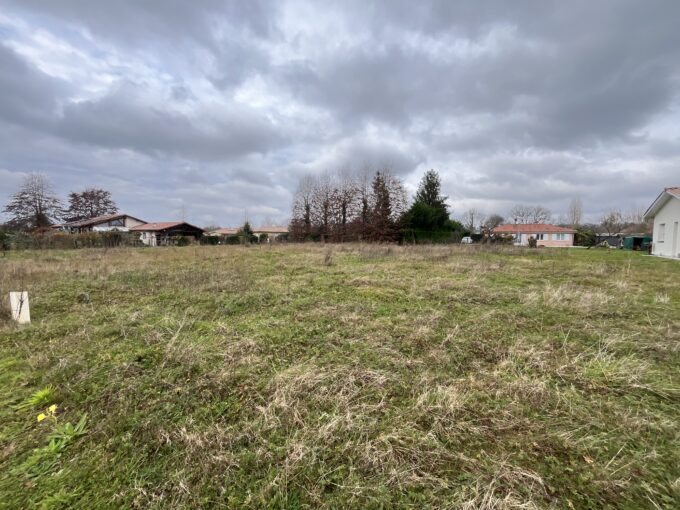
point(52, 409)
point(41, 416)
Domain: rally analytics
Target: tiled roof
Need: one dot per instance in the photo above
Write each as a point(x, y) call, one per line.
point(97, 220)
point(224, 231)
point(161, 225)
point(532, 228)
point(675, 191)
point(271, 230)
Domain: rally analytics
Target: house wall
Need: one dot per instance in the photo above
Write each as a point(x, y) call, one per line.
point(127, 224)
point(669, 215)
point(548, 240)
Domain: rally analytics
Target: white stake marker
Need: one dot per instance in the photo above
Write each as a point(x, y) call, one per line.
point(18, 301)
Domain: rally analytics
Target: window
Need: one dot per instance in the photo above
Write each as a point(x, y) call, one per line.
point(662, 232)
point(539, 237)
point(559, 237)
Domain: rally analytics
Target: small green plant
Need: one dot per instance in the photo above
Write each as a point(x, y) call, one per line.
point(42, 460)
point(66, 433)
point(40, 398)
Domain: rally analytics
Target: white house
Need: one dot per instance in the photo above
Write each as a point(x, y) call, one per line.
point(665, 211)
point(106, 223)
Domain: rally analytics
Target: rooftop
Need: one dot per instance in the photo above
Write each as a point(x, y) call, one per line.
point(532, 228)
point(161, 225)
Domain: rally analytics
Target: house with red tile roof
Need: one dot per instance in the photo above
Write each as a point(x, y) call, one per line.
point(545, 234)
point(665, 212)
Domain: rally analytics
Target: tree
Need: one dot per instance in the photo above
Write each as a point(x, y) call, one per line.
point(429, 191)
point(301, 224)
point(472, 217)
point(522, 213)
point(493, 221)
point(575, 212)
point(90, 203)
point(34, 205)
point(388, 198)
point(612, 222)
point(429, 211)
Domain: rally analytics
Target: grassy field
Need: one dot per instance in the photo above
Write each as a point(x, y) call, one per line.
point(343, 377)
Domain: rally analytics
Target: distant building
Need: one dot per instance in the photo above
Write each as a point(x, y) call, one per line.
point(272, 232)
point(545, 235)
point(107, 223)
point(163, 233)
point(223, 232)
point(665, 211)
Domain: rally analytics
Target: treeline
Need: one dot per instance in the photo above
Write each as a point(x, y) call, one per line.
point(35, 205)
point(370, 206)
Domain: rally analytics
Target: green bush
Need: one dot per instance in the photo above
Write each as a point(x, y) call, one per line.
point(421, 236)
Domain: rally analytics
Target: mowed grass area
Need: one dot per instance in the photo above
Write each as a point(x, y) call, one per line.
point(309, 376)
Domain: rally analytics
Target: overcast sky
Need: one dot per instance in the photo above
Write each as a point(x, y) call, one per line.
point(221, 106)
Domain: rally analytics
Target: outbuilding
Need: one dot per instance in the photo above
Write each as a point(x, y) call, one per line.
point(165, 233)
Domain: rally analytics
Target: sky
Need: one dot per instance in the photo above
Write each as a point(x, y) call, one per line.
point(213, 110)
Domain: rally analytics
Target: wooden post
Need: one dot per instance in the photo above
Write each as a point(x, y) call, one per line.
point(18, 302)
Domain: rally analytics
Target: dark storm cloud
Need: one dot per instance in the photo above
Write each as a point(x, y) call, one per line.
point(222, 105)
point(27, 95)
point(131, 123)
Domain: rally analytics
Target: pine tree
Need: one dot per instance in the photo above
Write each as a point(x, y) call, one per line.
point(429, 191)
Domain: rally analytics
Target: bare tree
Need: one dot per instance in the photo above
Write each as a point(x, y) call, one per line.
point(90, 203)
point(346, 203)
point(522, 213)
point(301, 224)
point(323, 199)
point(612, 222)
point(575, 212)
point(473, 218)
point(34, 205)
point(493, 221)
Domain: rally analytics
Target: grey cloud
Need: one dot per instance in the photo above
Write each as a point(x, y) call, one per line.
point(27, 96)
point(124, 119)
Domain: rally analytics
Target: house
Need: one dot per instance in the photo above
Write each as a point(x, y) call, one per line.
point(545, 235)
point(163, 233)
point(272, 233)
point(223, 232)
point(106, 223)
point(665, 211)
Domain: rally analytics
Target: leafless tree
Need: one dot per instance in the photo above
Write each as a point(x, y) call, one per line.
point(612, 222)
point(522, 213)
point(473, 218)
point(301, 224)
point(34, 205)
point(493, 221)
point(575, 212)
point(346, 203)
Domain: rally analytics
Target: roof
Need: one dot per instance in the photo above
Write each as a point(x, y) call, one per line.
point(97, 220)
point(532, 228)
point(224, 231)
point(161, 225)
point(271, 230)
point(660, 201)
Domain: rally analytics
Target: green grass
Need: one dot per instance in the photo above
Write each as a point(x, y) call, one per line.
point(342, 377)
